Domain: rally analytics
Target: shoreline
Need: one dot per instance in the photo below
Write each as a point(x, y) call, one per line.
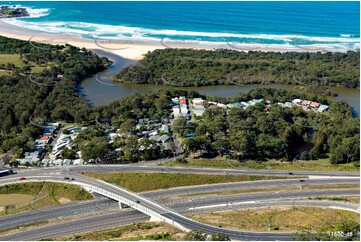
point(125, 50)
point(126, 56)
point(132, 49)
point(129, 49)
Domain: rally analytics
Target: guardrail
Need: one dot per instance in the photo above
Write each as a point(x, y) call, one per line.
point(163, 214)
point(138, 206)
point(121, 199)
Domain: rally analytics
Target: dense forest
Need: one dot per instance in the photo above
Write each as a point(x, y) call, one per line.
point(188, 67)
point(41, 86)
point(46, 95)
point(250, 134)
point(122, 116)
point(278, 134)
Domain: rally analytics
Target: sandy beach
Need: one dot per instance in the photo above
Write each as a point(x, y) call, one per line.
point(133, 49)
point(127, 48)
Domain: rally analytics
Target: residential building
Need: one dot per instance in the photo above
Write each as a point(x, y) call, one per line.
point(164, 138)
point(323, 108)
point(239, 105)
point(315, 104)
point(245, 104)
point(175, 100)
point(306, 103)
point(198, 101)
point(164, 129)
point(257, 100)
point(304, 107)
point(288, 105)
point(296, 101)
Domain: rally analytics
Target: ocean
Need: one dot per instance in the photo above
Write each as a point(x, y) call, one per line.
point(333, 26)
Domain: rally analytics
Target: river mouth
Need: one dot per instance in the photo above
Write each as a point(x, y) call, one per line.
point(98, 90)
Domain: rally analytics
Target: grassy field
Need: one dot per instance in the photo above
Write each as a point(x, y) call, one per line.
point(44, 195)
point(312, 165)
point(137, 231)
point(277, 219)
point(139, 182)
point(16, 60)
point(274, 189)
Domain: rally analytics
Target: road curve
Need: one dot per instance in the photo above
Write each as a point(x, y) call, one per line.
point(169, 214)
point(123, 217)
point(188, 205)
point(149, 207)
point(87, 224)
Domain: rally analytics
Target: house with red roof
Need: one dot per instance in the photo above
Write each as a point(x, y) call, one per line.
point(304, 107)
point(315, 104)
point(44, 137)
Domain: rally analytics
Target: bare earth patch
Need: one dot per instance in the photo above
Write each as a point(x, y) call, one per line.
point(285, 219)
point(135, 231)
point(15, 199)
point(64, 200)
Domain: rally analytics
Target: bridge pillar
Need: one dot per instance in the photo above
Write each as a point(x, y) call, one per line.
point(122, 205)
point(155, 219)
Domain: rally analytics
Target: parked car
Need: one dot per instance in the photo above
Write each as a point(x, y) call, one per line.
point(136, 201)
point(66, 178)
point(22, 178)
point(302, 180)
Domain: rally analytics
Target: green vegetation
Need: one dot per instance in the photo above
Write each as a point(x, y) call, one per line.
point(237, 134)
point(39, 86)
point(253, 134)
point(279, 219)
point(188, 67)
point(124, 115)
point(298, 165)
point(320, 90)
point(281, 133)
point(12, 62)
point(139, 182)
point(45, 195)
point(136, 231)
point(199, 235)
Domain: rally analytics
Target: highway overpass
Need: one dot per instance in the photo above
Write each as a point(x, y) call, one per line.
point(146, 206)
point(143, 204)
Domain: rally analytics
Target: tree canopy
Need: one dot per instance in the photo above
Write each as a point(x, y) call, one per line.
point(188, 67)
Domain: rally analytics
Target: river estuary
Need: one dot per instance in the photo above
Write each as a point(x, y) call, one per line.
point(98, 90)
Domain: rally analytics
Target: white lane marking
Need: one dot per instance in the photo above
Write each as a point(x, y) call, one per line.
point(221, 205)
point(333, 177)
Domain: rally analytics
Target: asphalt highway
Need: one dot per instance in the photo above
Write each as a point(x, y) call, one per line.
point(145, 167)
point(87, 224)
point(55, 212)
point(185, 205)
point(127, 216)
point(245, 200)
point(174, 169)
point(148, 205)
point(208, 188)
